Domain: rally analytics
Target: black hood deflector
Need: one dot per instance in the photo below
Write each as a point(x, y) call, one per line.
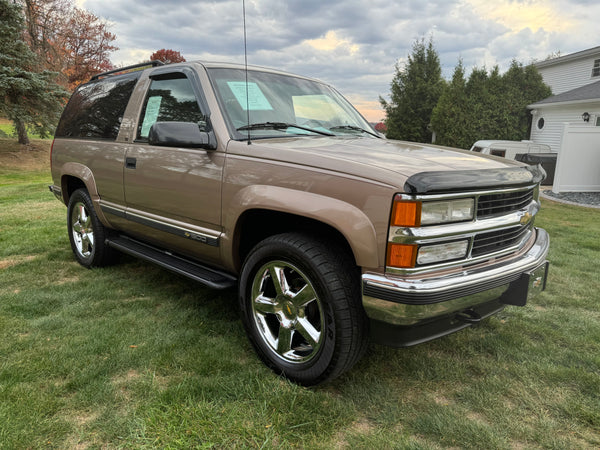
point(451, 181)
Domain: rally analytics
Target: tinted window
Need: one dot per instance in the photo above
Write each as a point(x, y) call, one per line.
point(170, 98)
point(96, 110)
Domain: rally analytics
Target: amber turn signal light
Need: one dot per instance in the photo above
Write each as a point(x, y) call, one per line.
point(406, 214)
point(401, 255)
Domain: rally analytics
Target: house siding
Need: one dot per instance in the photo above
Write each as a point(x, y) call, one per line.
point(554, 119)
point(569, 75)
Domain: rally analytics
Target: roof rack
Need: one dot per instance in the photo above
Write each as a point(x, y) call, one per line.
point(133, 68)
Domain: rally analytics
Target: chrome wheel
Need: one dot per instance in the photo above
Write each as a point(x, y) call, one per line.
point(82, 230)
point(300, 301)
point(287, 312)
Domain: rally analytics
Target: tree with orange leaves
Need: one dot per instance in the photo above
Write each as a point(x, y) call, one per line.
point(167, 56)
point(87, 43)
point(68, 40)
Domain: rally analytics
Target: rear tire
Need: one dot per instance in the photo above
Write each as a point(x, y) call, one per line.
point(86, 233)
point(301, 306)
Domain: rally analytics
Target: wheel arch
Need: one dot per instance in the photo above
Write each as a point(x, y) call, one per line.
point(76, 176)
point(258, 212)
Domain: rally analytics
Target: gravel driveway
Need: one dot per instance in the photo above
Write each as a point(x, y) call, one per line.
point(591, 199)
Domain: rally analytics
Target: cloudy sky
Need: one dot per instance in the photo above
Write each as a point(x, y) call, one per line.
point(352, 44)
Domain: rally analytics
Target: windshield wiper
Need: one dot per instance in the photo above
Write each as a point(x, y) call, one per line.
point(281, 126)
point(353, 128)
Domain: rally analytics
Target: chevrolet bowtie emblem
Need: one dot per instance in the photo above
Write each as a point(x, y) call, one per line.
point(526, 218)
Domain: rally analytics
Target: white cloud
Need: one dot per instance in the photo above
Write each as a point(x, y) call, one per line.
point(352, 44)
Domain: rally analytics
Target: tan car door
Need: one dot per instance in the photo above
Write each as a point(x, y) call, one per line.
point(173, 195)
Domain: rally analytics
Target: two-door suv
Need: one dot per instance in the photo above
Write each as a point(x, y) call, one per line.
point(275, 183)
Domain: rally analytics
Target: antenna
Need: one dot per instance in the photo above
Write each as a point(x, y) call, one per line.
point(246, 70)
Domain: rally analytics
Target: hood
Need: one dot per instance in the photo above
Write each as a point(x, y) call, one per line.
point(386, 161)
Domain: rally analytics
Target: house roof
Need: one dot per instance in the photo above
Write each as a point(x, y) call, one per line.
point(573, 56)
point(584, 94)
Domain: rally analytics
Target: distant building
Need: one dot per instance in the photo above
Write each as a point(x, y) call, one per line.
point(575, 82)
point(569, 121)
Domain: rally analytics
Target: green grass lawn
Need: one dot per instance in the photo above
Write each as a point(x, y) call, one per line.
point(134, 356)
point(8, 130)
point(6, 127)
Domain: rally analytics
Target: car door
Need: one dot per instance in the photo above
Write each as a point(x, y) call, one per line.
point(172, 194)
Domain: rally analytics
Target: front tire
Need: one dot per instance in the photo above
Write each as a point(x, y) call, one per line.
point(86, 233)
point(300, 303)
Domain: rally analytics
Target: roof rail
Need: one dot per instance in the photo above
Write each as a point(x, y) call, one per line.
point(127, 69)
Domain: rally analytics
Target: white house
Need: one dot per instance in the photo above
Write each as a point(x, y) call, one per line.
point(569, 121)
point(579, 106)
point(571, 71)
point(575, 83)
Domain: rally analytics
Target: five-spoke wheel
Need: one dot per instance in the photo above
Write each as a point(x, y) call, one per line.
point(82, 231)
point(300, 302)
point(287, 311)
point(86, 232)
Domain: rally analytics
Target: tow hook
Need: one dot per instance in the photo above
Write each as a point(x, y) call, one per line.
point(468, 316)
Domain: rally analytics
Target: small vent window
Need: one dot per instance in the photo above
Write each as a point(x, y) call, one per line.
point(596, 69)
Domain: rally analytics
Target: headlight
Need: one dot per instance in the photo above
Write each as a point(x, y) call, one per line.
point(414, 213)
point(446, 212)
point(410, 255)
point(408, 213)
point(429, 254)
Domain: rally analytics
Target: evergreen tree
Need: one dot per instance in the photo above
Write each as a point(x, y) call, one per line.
point(490, 106)
point(479, 103)
point(27, 97)
point(522, 86)
point(415, 91)
point(450, 117)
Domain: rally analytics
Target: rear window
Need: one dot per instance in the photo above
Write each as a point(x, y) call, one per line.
point(96, 109)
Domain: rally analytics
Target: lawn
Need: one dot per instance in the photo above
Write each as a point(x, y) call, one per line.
point(8, 130)
point(134, 356)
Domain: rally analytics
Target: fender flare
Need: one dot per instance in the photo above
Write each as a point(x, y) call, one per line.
point(347, 219)
point(83, 173)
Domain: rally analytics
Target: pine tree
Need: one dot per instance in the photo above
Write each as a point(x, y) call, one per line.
point(450, 117)
point(27, 97)
point(486, 106)
point(523, 85)
point(415, 91)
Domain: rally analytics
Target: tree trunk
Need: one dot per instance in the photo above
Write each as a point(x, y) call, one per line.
point(22, 132)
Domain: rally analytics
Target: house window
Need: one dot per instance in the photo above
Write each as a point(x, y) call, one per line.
point(540, 123)
point(596, 68)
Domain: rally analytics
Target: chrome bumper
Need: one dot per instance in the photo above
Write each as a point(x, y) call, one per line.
point(405, 302)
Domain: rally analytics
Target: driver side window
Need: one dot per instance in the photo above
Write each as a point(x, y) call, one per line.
point(170, 98)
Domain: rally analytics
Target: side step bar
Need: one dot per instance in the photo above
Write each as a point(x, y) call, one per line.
point(208, 276)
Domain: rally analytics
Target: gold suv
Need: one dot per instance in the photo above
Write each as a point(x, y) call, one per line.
point(273, 182)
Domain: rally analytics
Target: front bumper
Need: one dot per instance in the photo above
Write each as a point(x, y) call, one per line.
point(407, 311)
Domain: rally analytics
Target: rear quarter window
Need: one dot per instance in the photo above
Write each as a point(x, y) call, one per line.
point(96, 109)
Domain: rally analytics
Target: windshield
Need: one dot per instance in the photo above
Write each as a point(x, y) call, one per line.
point(275, 105)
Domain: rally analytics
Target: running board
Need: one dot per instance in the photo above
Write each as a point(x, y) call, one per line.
point(208, 276)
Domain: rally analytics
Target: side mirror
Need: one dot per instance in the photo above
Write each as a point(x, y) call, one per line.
point(181, 134)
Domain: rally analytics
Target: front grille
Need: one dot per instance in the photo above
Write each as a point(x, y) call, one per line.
point(507, 202)
point(495, 241)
